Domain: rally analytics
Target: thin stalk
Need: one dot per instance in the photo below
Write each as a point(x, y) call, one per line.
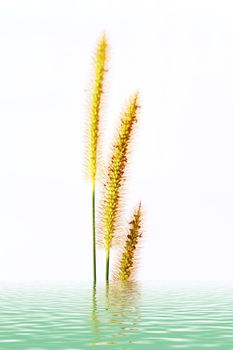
point(93, 233)
point(107, 266)
point(107, 299)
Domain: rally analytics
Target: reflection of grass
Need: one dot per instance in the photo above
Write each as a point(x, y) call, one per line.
point(122, 300)
point(94, 316)
point(115, 314)
point(94, 304)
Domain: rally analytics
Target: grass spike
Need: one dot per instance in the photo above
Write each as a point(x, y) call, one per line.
point(96, 102)
point(126, 267)
point(94, 129)
point(116, 176)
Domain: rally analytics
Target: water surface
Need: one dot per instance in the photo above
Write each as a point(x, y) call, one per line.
point(119, 317)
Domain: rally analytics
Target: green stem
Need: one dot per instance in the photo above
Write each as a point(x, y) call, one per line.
point(93, 232)
point(107, 266)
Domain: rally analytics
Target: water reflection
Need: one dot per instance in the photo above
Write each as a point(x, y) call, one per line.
point(121, 316)
point(117, 317)
point(127, 317)
point(95, 322)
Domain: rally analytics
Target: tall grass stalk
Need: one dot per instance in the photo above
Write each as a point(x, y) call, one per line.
point(115, 177)
point(94, 130)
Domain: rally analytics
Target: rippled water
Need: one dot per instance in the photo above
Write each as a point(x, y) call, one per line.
point(120, 317)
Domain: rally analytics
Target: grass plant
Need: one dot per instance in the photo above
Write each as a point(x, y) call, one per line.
point(115, 177)
point(126, 265)
point(94, 130)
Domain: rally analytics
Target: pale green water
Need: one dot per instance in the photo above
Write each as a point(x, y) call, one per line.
point(123, 318)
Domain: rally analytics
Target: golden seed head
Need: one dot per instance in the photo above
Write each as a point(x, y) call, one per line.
point(126, 266)
point(116, 172)
point(95, 106)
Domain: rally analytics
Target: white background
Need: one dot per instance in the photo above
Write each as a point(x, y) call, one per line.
point(179, 55)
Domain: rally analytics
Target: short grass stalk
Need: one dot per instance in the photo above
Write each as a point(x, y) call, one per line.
point(107, 266)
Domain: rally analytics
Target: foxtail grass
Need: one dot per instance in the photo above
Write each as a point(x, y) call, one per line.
point(126, 266)
point(110, 211)
point(94, 130)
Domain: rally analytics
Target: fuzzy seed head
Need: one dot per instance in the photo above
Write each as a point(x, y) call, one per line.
point(96, 100)
point(127, 261)
point(116, 172)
